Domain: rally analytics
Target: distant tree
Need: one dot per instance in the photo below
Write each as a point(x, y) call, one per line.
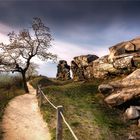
point(23, 46)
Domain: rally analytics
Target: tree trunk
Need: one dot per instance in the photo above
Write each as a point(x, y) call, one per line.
point(25, 82)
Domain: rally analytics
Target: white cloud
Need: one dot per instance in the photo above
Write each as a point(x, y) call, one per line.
point(67, 51)
point(4, 38)
point(4, 30)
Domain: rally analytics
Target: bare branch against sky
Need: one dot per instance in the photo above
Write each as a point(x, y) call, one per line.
point(87, 26)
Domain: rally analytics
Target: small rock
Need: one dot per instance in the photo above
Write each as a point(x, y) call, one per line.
point(139, 123)
point(105, 88)
point(132, 113)
point(132, 136)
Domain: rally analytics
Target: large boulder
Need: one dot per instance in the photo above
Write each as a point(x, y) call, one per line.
point(123, 61)
point(84, 60)
point(102, 68)
point(127, 47)
point(63, 70)
point(125, 90)
point(77, 72)
point(81, 67)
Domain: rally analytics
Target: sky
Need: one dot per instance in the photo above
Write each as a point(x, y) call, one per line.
point(78, 27)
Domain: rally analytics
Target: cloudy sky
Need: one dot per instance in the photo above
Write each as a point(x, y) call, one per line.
point(77, 26)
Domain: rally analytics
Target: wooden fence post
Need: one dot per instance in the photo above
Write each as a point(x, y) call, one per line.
point(40, 98)
point(59, 128)
point(37, 91)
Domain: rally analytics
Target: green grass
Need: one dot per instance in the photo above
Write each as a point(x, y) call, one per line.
point(85, 111)
point(9, 88)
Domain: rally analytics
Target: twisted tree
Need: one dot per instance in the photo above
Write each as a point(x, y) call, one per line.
point(23, 46)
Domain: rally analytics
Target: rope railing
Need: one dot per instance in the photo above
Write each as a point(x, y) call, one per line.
point(60, 115)
point(48, 100)
point(68, 126)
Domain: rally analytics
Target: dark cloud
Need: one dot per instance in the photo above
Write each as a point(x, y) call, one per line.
point(60, 12)
point(71, 18)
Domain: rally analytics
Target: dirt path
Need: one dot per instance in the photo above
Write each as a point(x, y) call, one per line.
point(22, 119)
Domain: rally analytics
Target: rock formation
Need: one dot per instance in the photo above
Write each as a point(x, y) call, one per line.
point(124, 58)
point(81, 67)
point(63, 70)
point(124, 93)
point(128, 47)
point(124, 90)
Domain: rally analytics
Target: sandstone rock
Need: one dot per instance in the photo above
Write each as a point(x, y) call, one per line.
point(124, 48)
point(116, 50)
point(139, 123)
point(81, 67)
point(130, 47)
point(105, 89)
point(84, 60)
point(101, 67)
point(123, 62)
point(63, 70)
point(132, 113)
point(124, 58)
point(77, 72)
point(129, 89)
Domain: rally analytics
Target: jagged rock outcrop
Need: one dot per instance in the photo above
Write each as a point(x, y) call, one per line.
point(128, 47)
point(123, 58)
point(63, 70)
point(81, 67)
point(125, 90)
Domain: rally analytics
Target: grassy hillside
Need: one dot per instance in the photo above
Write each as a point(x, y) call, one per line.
point(84, 109)
point(9, 88)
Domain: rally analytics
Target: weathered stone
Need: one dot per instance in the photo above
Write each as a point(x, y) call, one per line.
point(126, 90)
point(129, 47)
point(84, 60)
point(63, 70)
point(124, 58)
point(132, 113)
point(139, 123)
point(105, 89)
point(81, 67)
point(123, 62)
point(77, 72)
point(101, 68)
point(124, 48)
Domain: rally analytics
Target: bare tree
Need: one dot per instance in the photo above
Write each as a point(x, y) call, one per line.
point(23, 46)
point(32, 70)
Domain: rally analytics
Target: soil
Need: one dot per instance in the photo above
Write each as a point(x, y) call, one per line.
point(22, 119)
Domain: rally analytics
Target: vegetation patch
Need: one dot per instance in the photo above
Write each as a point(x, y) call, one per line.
point(85, 111)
